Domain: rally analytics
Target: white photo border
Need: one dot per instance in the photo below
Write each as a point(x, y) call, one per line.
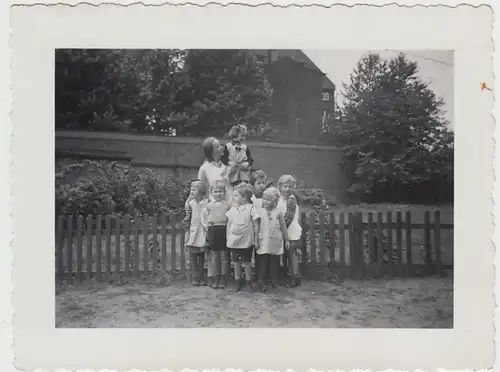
point(38, 30)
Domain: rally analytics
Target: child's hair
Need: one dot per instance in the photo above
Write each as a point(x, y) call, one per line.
point(286, 178)
point(256, 176)
point(236, 130)
point(200, 186)
point(274, 192)
point(245, 190)
point(208, 148)
point(218, 185)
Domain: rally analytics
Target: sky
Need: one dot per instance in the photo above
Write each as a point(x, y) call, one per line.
point(435, 67)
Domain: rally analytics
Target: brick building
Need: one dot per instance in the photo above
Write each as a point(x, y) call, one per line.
point(303, 96)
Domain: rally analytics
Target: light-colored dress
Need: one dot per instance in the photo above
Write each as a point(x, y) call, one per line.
point(240, 231)
point(270, 235)
point(237, 157)
point(257, 202)
point(197, 231)
point(294, 230)
point(210, 172)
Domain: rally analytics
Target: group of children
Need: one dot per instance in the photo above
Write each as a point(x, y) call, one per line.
point(256, 218)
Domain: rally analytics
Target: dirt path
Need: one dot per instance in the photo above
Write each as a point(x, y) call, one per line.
point(411, 303)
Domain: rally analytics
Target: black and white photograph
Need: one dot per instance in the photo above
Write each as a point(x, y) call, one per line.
point(254, 188)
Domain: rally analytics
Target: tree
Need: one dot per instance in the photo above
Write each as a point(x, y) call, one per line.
point(225, 87)
point(118, 89)
point(395, 141)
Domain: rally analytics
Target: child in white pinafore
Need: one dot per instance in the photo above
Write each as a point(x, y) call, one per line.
point(242, 233)
point(197, 240)
point(272, 237)
point(288, 205)
point(259, 182)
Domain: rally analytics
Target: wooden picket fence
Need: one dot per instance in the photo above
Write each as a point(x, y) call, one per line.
point(355, 244)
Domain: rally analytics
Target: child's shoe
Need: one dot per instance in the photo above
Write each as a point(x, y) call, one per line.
point(216, 281)
point(222, 282)
point(294, 282)
point(251, 286)
point(239, 284)
point(209, 281)
point(262, 286)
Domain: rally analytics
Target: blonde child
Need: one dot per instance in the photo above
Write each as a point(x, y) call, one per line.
point(196, 243)
point(272, 237)
point(259, 182)
point(237, 156)
point(242, 233)
point(216, 221)
point(288, 205)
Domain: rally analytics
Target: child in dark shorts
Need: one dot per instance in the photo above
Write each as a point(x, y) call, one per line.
point(242, 233)
point(216, 221)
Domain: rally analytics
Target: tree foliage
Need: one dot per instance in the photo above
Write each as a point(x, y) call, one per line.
point(163, 91)
point(396, 144)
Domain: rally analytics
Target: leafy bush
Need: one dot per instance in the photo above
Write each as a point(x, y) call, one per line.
point(101, 187)
point(309, 196)
point(312, 196)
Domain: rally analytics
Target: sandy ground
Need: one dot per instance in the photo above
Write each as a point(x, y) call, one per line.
point(405, 303)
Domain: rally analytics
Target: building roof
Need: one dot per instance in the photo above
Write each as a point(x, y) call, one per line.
point(298, 55)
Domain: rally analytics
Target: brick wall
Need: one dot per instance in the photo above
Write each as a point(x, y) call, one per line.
point(318, 166)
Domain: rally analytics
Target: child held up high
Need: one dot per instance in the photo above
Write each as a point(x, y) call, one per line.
point(242, 233)
point(216, 221)
point(237, 156)
point(288, 205)
point(196, 243)
point(273, 235)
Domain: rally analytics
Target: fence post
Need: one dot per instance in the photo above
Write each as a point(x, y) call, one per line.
point(173, 248)
point(145, 246)
point(342, 239)
point(118, 261)
point(399, 243)
point(60, 248)
point(88, 259)
point(154, 254)
point(380, 244)
point(69, 252)
point(390, 264)
point(437, 242)
point(351, 244)
point(128, 242)
point(98, 247)
point(79, 252)
point(107, 240)
point(303, 241)
point(371, 247)
point(163, 242)
point(322, 238)
point(312, 239)
point(137, 254)
point(360, 257)
point(183, 253)
point(427, 240)
point(409, 256)
point(331, 232)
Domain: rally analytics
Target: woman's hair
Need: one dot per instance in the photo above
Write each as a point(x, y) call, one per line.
point(273, 192)
point(208, 148)
point(245, 190)
point(286, 178)
point(200, 186)
point(236, 130)
point(218, 185)
point(256, 176)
